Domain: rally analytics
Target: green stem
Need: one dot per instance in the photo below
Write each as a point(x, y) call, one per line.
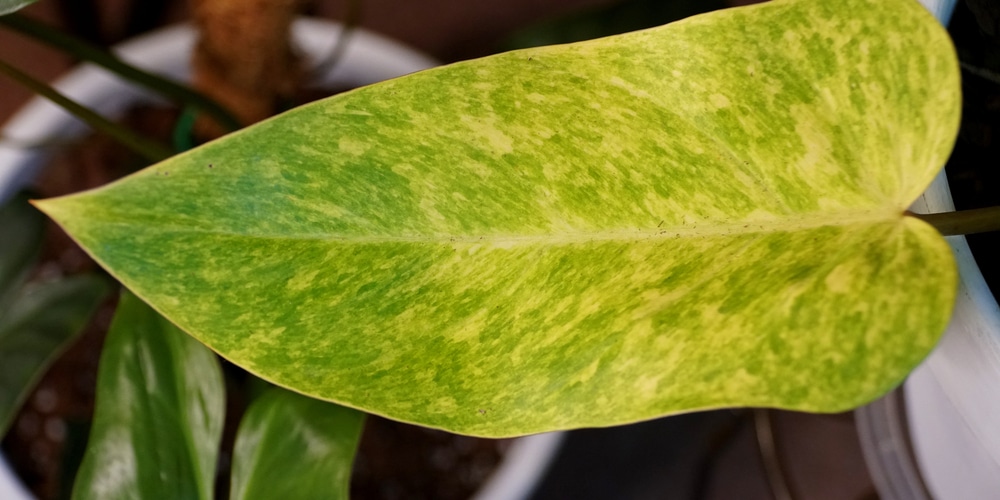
point(148, 149)
point(87, 52)
point(977, 220)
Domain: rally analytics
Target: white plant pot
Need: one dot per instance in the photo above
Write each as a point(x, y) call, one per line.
point(953, 398)
point(369, 58)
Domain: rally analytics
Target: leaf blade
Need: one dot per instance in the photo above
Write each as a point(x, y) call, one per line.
point(25, 226)
point(36, 327)
point(158, 418)
point(289, 444)
point(470, 278)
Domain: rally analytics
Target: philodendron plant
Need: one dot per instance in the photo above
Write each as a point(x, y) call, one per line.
point(707, 214)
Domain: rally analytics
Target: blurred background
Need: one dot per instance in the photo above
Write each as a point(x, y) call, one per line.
point(448, 30)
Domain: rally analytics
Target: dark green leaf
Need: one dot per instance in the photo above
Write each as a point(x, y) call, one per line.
point(158, 420)
point(292, 446)
point(37, 326)
point(21, 229)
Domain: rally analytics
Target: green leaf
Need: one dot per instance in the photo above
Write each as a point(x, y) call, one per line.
point(22, 231)
point(700, 215)
point(159, 413)
point(291, 446)
point(8, 6)
point(36, 328)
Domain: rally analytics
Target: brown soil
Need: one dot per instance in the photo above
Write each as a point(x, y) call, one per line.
point(46, 442)
point(398, 461)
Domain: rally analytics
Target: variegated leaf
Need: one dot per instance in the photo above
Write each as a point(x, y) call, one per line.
point(704, 214)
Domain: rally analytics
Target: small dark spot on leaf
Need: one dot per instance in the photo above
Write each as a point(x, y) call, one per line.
point(660, 224)
point(481, 411)
point(211, 166)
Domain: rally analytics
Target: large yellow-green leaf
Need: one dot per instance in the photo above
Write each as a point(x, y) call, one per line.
point(704, 214)
point(291, 446)
point(158, 416)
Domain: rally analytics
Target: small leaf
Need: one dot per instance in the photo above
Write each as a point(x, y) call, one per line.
point(705, 214)
point(37, 326)
point(8, 6)
point(22, 229)
point(292, 446)
point(159, 413)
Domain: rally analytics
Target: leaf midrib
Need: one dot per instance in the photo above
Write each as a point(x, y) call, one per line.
point(700, 229)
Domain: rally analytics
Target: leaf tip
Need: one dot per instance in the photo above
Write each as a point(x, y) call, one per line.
point(54, 208)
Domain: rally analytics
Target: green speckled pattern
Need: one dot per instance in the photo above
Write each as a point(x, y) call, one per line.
point(700, 215)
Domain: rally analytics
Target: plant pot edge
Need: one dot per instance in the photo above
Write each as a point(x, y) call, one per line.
point(369, 58)
point(953, 398)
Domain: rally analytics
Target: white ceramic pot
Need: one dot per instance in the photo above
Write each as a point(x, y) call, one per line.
point(369, 58)
point(953, 398)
